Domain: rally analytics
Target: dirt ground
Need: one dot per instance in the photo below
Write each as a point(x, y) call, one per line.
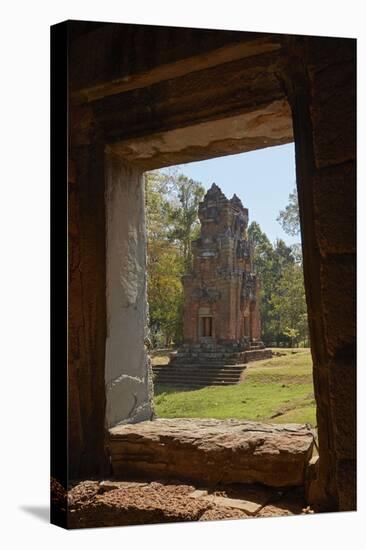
point(113, 503)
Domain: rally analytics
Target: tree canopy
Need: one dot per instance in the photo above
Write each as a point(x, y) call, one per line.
point(172, 223)
point(283, 305)
point(289, 217)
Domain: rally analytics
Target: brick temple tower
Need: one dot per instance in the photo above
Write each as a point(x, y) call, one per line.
point(221, 305)
point(222, 328)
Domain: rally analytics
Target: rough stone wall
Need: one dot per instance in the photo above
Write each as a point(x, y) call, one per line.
point(86, 312)
point(321, 88)
point(75, 428)
point(128, 376)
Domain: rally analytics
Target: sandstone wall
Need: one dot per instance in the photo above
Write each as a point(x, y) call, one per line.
point(86, 311)
point(321, 87)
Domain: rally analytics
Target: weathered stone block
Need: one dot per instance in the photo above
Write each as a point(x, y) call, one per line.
point(335, 209)
point(338, 290)
point(342, 387)
point(212, 451)
point(346, 482)
point(333, 114)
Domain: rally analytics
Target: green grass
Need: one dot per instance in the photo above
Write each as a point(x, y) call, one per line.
point(278, 390)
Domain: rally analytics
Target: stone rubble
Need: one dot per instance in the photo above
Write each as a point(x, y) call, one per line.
point(112, 503)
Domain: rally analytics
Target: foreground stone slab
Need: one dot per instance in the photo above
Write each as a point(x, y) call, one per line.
point(251, 504)
point(249, 507)
point(212, 451)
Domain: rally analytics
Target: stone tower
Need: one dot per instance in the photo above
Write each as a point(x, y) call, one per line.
point(221, 306)
point(221, 319)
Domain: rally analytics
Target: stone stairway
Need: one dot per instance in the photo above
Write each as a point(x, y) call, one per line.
point(197, 375)
point(211, 367)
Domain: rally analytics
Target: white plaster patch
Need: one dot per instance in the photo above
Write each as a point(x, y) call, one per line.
point(127, 376)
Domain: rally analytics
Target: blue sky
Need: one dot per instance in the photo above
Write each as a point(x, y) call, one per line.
point(262, 180)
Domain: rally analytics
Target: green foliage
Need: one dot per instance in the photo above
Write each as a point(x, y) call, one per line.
point(289, 304)
point(165, 292)
point(289, 218)
point(283, 306)
point(183, 217)
point(278, 390)
point(172, 222)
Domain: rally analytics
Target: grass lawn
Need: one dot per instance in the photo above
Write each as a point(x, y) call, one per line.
point(278, 390)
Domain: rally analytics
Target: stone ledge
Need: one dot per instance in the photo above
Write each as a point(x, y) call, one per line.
point(212, 451)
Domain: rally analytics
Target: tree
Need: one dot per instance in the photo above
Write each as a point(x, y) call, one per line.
point(263, 262)
point(290, 218)
point(282, 297)
point(157, 206)
point(183, 218)
point(172, 223)
point(289, 304)
point(165, 293)
point(164, 263)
